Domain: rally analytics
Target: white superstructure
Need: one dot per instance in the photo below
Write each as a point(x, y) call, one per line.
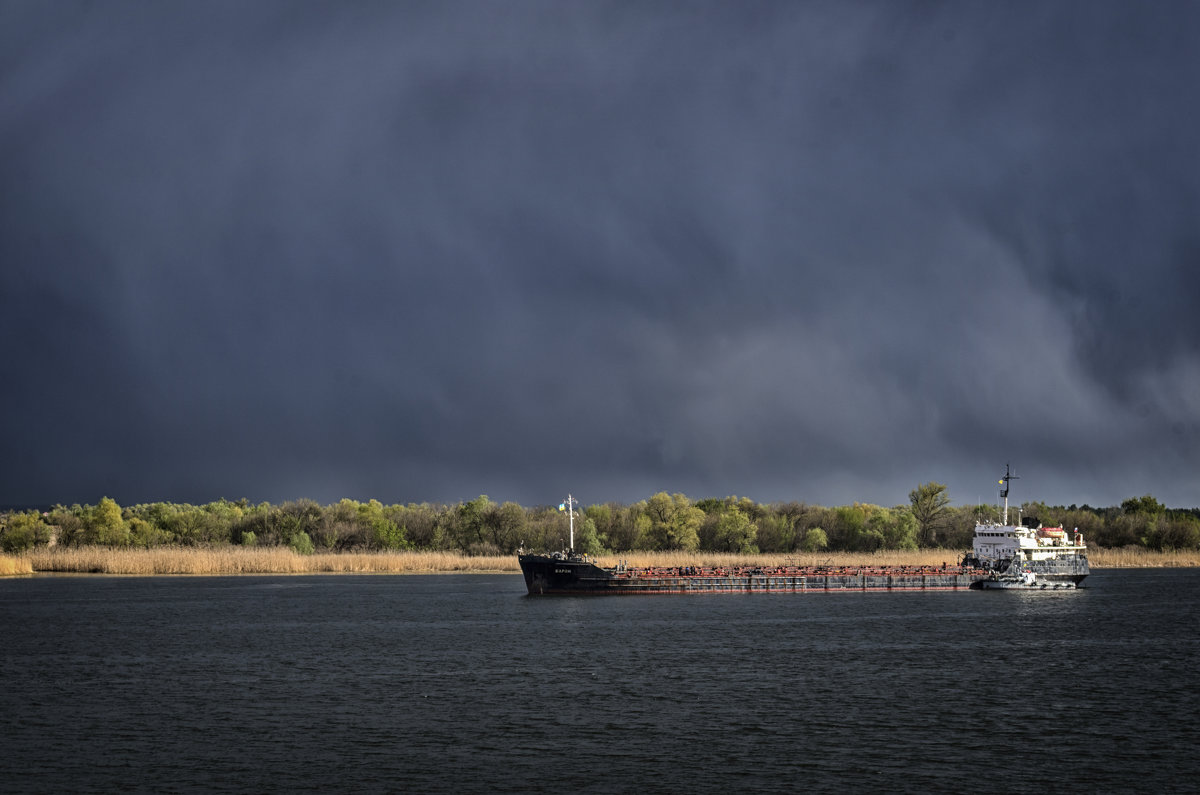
point(1001, 542)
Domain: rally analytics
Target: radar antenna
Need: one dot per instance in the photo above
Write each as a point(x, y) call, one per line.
point(1004, 482)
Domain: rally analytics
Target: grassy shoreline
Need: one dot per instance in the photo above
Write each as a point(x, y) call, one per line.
point(233, 560)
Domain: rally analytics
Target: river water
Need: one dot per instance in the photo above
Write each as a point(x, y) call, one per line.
point(447, 682)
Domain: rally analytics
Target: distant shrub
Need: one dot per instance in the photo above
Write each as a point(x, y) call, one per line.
point(483, 548)
point(815, 540)
point(302, 544)
point(387, 535)
point(144, 534)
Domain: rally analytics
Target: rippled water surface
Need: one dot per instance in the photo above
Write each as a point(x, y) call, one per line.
point(378, 683)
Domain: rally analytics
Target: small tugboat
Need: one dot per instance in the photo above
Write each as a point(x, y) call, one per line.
point(1027, 556)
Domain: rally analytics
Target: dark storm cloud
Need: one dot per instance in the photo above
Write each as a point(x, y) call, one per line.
point(791, 251)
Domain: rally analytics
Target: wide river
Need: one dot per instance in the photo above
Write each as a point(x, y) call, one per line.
point(463, 683)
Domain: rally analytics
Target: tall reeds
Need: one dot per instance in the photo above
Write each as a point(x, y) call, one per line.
point(1141, 558)
point(256, 560)
point(283, 560)
point(10, 565)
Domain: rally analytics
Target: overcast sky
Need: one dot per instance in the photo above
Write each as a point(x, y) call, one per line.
point(818, 251)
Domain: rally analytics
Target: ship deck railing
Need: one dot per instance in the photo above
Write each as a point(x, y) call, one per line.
point(794, 571)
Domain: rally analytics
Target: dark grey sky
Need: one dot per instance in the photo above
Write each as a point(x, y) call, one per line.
point(424, 251)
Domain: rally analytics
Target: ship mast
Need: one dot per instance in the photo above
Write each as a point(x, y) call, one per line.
point(1007, 477)
point(569, 505)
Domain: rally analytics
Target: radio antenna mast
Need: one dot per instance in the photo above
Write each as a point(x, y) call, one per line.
point(1007, 477)
point(569, 505)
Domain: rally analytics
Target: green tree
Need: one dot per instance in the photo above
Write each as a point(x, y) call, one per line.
point(869, 536)
point(198, 527)
point(673, 522)
point(159, 515)
point(346, 525)
point(507, 525)
point(847, 524)
point(467, 526)
point(1180, 531)
point(1143, 505)
point(69, 524)
point(587, 540)
point(1086, 522)
point(547, 529)
point(286, 524)
point(736, 533)
point(791, 516)
point(895, 526)
point(774, 534)
point(621, 527)
point(901, 531)
point(957, 528)
point(146, 534)
point(630, 529)
point(1174, 531)
point(385, 534)
point(302, 544)
point(1121, 531)
point(375, 530)
point(930, 507)
point(419, 523)
point(105, 525)
point(23, 531)
point(815, 540)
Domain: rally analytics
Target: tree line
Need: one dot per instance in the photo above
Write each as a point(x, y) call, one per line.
point(662, 522)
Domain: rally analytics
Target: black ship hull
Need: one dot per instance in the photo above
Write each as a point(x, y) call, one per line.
point(547, 575)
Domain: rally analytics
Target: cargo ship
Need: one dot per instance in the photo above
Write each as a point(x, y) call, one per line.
point(1003, 557)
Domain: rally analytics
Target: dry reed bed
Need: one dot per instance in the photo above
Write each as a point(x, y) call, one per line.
point(10, 565)
point(282, 560)
point(256, 560)
point(1138, 558)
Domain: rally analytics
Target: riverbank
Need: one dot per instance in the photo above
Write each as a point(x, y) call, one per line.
point(282, 560)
